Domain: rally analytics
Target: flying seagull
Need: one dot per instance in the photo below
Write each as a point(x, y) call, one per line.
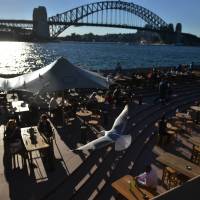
point(116, 135)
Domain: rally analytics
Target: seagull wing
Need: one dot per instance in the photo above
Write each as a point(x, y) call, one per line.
point(123, 142)
point(120, 123)
point(97, 144)
point(118, 132)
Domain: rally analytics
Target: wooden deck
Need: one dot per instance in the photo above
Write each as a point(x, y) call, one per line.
point(88, 175)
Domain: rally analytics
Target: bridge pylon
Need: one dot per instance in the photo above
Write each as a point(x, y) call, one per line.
point(40, 23)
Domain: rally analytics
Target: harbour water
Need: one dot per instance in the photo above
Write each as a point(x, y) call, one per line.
point(22, 57)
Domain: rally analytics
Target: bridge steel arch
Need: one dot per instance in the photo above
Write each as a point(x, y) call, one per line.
point(60, 22)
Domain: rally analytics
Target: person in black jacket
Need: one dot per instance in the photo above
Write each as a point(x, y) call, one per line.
point(45, 129)
point(13, 145)
point(13, 142)
point(12, 132)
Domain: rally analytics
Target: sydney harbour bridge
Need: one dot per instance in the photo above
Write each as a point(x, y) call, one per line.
point(119, 14)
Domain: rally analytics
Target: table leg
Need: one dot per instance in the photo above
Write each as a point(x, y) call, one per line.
point(32, 165)
point(31, 158)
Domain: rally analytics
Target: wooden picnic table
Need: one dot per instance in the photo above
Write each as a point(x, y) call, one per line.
point(37, 143)
point(122, 186)
point(20, 106)
point(181, 165)
point(84, 113)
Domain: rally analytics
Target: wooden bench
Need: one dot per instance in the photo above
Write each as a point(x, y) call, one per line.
point(179, 164)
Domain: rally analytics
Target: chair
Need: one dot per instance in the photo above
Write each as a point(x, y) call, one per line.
point(195, 157)
point(16, 151)
point(170, 177)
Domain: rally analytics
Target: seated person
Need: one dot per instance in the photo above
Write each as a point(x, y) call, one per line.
point(53, 105)
point(44, 127)
point(12, 136)
point(148, 179)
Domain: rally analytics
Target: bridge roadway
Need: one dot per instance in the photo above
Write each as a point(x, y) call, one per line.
point(16, 21)
point(29, 23)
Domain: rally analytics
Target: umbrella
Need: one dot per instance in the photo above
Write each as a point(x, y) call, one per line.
point(59, 75)
point(116, 135)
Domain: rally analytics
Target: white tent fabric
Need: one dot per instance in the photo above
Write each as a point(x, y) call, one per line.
point(59, 75)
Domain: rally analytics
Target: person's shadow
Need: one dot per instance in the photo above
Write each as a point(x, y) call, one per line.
point(30, 182)
point(16, 176)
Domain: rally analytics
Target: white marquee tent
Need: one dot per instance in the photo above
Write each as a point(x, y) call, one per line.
point(59, 75)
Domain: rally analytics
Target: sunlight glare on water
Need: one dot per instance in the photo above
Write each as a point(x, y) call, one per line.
point(23, 57)
point(20, 57)
point(9, 53)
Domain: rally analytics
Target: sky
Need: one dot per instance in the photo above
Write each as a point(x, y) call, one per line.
point(186, 12)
